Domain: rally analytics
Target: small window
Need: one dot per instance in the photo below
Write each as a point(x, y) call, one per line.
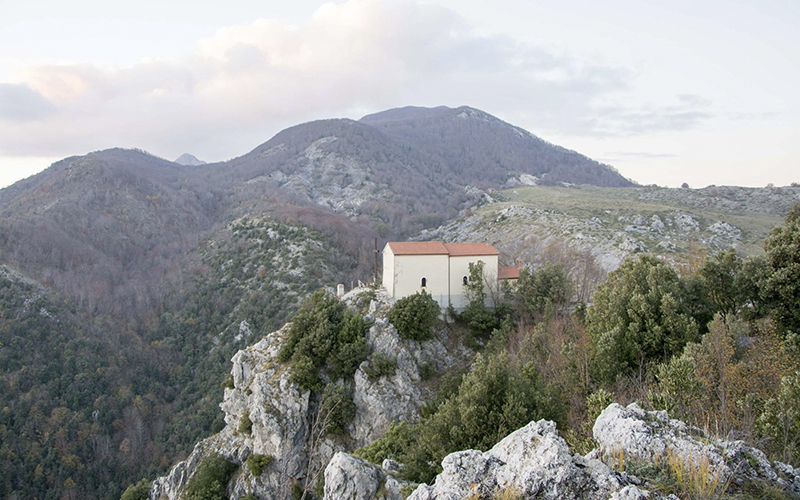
point(466, 281)
point(424, 282)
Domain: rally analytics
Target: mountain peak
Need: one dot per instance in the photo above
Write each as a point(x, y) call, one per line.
point(189, 160)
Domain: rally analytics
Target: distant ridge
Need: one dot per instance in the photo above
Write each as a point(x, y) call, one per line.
point(189, 160)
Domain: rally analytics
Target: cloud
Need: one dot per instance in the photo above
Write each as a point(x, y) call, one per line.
point(20, 103)
point(246, 82)
point(623, 156)
point(690, 112)
point(640, 154)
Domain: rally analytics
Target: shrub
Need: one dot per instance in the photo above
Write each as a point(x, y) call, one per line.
point(414, 316)
point(393, 444)
point(138, 491)
point(324, 336)
point(492, 400)
point(336, 409)
point(245, 424)
point(380, 365)
point(228, 382)
point(427, 370)
point(210, 481)
point(257, 463)
point(678, 386)
point(638, 315)
point(597, 402)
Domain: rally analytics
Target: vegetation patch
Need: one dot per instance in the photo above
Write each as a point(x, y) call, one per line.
point(336, 409)
point(210, 480)
point(327, 337)
point(380, 365)
point(245, 424)
point(256, 463)
point(415, 316)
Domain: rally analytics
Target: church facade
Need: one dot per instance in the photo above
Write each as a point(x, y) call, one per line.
point(440, 269)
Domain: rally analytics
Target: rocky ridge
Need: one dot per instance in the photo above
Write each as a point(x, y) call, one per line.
point(535, 462)
point(615, 223)
point(651, 435)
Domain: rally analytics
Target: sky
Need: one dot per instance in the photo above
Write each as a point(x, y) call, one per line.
point(665, 91)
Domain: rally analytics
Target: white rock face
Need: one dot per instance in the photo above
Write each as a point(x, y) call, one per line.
point(400, 396)
point(280, 416)
point(651, 435)
point(534, 462)
point(351, 478)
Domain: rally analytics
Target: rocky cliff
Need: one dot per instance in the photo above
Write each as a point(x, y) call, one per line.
point(267, 414)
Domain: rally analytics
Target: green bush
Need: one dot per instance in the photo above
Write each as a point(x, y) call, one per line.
point(398, 438)
point(638, 315)
point(380, 365)
point(138, 491)
point(324, 336)
point(245, 424)
point(427, 370)
point(257, 463)
point(336, 409)
point(414, 316)
point(210, 480)
point(228, 382)
point(490, 401)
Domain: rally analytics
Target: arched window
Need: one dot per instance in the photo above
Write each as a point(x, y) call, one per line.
point(424, 282)
point(466, 281)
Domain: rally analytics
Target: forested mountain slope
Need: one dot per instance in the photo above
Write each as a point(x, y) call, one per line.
point(487, 151)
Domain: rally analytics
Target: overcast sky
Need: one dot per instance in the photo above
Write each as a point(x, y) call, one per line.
point(666, 91)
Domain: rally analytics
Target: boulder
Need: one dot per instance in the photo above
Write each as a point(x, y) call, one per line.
point(532, 462)
point(652, 436)
point(350, 478)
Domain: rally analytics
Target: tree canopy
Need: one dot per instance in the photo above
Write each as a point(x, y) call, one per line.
point(637, 315)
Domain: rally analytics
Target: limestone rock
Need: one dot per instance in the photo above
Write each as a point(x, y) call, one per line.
point(533, 462)
point(280, 415)
point(399, 396)
point(350, 478)
point(652, 435)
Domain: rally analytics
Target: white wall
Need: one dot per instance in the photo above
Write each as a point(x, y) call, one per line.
point(388, 270)
point(459, 267)
point(410, 269)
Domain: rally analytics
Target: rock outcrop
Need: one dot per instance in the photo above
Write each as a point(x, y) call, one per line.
point(532, 462)
point(652, 436)
point(347, 477)
point(267, 414)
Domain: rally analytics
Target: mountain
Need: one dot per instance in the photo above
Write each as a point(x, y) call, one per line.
point(189, 160)
point(483, 149)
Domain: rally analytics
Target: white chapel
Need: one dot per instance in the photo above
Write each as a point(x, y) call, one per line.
point(440, 269)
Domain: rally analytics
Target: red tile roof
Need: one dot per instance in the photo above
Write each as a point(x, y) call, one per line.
point(508, 273)
point(417, 248)
point(458, 249)
point(439, 248)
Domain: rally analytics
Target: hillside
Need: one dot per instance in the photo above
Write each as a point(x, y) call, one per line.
point(591, 230)
point(487, 151)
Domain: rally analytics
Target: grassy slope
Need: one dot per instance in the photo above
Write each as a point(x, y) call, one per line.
point(608, 204)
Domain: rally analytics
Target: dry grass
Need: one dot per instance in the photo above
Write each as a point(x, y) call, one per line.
point(699, 479)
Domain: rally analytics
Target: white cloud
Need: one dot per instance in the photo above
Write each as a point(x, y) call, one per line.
point(245, 82)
